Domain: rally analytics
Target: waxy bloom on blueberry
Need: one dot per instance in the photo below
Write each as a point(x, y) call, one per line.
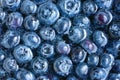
point(11, 5)
point(77, 34)
point(70, 7)
point(62, 25)
point(46, 50)
point(28, 7)
point(31, 39)
point(25, 75)
point(10, 39)
point(3, 16)
point(100, 38)
point(47, 33)
point(48, 13)
point(89, 7)
point(31, 23)
point(63, 65)
point(22, 54)
point(14, 20)
point(78, 54)
point(62, 47)
point(10, 64)
point(39, 65)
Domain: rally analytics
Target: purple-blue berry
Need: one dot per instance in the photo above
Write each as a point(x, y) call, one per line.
point(48, 13)
point(63, 66)
point(31, 39)
point(22, 54)
point(31, 23)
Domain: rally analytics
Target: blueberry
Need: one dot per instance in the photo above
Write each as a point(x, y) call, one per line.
point(77, 34)
point(48, 13)
point(114, 30)
point(117, 6)
point(10, 79)
point(47, 33)
point(116, 66)
point(14, 20)
point(82, 70)
point(3, 16)
point(114, 76)
point(89, 46)
point(23, 54)
point(39, 1)
point(81, 21)
point(71, 77)
point(78, 54)
point(62, 47)
point(46, 50)
point(31, 23)
point(63, 65)
point(12, 5)
point(25, 75)
point(98, 74)
point(10, 39)
point(39, 65)
point(100, 38)
point(93, 60)
point(42, 78)
point(106, 60)
point(70, 7)
point(31, 39)
point(10, 64)
point(89, 7)
point(2, 72)
point(104, 4)
point(62, 25)
point(28, 7)
point(2, 55)
point(103, 17)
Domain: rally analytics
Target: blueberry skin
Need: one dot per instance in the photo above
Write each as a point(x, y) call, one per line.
point(43, 78)
point(116, 66)
point(106, 60)
point(63, 48)
point(89, 46)
point(47, 33)
point(2, 72)
point(114, 30)
point(31, 23)
point(63, 65)
point(117, 6)
point(25, 75)
point(10, 79)
point(31, 39)
point(10, 39)
point(104, 4)
point(98, 74)
point(78, 55)
point(89, 7)
point(114, 76)
point(77, 34)
point(70, 7)
point(62, 26)
point(28, 7)
point(38, 2)
point(82, 70)
point(48, 13)
point(71, 78)
point(10, 65)
point(2, 55)
point(100, 38)
point(46, 50)
point(3, 16)
point(22, 54)
point(14, 20)
point(39, 65)
point(93, 60)
point(103, 17)
point(81, 21)
point(11, 5)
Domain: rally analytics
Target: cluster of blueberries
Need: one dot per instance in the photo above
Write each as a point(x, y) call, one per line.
point(59, 39)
